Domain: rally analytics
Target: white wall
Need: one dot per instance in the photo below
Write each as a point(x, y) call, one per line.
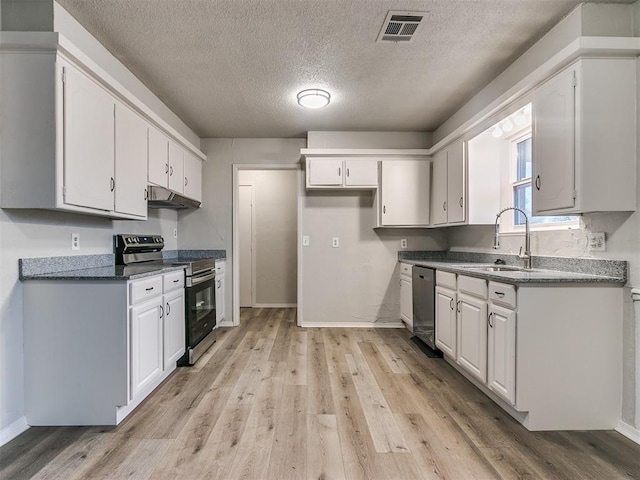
point(276, 224)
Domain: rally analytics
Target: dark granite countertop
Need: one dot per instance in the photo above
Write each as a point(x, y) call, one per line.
point(111, 272)
point(584, 270)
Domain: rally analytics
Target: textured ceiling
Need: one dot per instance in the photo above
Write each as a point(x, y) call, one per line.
point(232, 68)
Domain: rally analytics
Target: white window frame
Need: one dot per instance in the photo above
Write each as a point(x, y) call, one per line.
point(508, 225)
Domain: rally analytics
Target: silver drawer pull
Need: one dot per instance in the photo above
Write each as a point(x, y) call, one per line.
point(149, 289)
point(500, 294)
point(176, 281)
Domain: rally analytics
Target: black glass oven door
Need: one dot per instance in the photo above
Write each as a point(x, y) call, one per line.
point(201, 309)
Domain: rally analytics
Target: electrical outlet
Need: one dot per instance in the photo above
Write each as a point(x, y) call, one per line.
point(175, 233)
point(403, 243)
point(75, 241)
point(597, 242)
point(305, 241)
point(335, 242)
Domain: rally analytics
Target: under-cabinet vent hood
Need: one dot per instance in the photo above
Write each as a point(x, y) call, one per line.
point(160, 197)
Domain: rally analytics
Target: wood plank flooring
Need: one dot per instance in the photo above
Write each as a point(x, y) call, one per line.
point(274, 401)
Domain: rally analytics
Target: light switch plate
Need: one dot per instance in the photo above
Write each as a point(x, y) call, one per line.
point(75, 241)
point(335, 242)
point(597, 242)
point(305, 241)
point(403, 243)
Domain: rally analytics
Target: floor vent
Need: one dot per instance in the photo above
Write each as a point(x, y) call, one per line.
point(400, 26)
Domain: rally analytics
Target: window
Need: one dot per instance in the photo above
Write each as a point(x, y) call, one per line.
point(521, 166)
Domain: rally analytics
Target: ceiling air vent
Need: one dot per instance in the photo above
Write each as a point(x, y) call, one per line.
point(400, 26)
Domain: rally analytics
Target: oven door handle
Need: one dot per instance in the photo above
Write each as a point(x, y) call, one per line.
point(198, 280)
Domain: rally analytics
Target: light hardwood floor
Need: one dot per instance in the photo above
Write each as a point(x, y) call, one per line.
point(273, 401)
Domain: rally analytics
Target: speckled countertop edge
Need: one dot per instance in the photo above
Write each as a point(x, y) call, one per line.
point(545, 269)
point(99, 266)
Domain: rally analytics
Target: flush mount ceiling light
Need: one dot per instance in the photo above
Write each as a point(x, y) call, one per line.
point(314, 98)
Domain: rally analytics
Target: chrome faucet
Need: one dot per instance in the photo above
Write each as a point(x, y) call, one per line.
point(527, 239)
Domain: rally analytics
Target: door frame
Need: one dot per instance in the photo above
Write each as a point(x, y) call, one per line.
point(253, 240)
point(236, 242)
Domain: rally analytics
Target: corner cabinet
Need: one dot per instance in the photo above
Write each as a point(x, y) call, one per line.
point(404, 193)
point(93, 139)
point(584, 139)
point(96, 373)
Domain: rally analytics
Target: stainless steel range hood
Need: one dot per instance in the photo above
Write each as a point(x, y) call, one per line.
point(160, 197)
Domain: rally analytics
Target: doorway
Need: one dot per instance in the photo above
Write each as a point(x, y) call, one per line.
point(265, 228)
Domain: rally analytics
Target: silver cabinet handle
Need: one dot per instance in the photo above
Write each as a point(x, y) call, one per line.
point(186, 181)
point(339, 172)
point(166, 168)
point(161, 311)
point(444, 206)
point(168, 309)
point(458, 306)
point(176, 281)
point(500, 294)
point(461, 202)
point(113, 184)
point(384, 209)
point(538, 182)
point(171, 170)
point(146, 194)
point(490, 318)
point(149, 289)
point(451, 303)
point(347, 172)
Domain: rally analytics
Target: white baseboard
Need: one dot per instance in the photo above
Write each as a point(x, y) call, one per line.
point(628, 431)
point(352, 324)
point(12, 431)
point(275, 305)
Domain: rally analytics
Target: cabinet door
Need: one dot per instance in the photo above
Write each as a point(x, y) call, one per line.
point(405, 192)
point(361, 173)
point(176, 167)
point(406, 302)
point(174, 328)
point(325, 171)
point(88, 142)
point(553, 137)
point(502, 352)
point(456, 183)
point(219, 299)
point(158, 162)
point(472, 335)
point(446, 321)
point(130, 162)
point(439, 189)
point(192, 177)
point(146, 344)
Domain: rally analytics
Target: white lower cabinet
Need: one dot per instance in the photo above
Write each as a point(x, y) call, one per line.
point(95, 349)
point(220, 315)
point(446, 325)
point(502, 352)
point(146, 345)
point(531, 347)
point(406, 295)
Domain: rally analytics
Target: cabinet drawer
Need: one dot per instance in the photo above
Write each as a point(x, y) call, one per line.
point(406, 270)
point(140, 290)
point(502, 294)
point(173, 280)
point(472, 286)
point(446, 279)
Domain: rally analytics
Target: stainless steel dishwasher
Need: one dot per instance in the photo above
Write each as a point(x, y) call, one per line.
point(423, 282)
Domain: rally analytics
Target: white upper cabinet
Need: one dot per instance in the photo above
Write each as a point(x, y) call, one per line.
point(448, 185)
point(584, 138)
point(88, 141)
point(158, 162)
point(176, 167)
point(130, 162)
point(404, 199)
point(192, 177)
point(342, 173)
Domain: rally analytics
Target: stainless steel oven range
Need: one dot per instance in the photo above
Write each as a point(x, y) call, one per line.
point(135, 251)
